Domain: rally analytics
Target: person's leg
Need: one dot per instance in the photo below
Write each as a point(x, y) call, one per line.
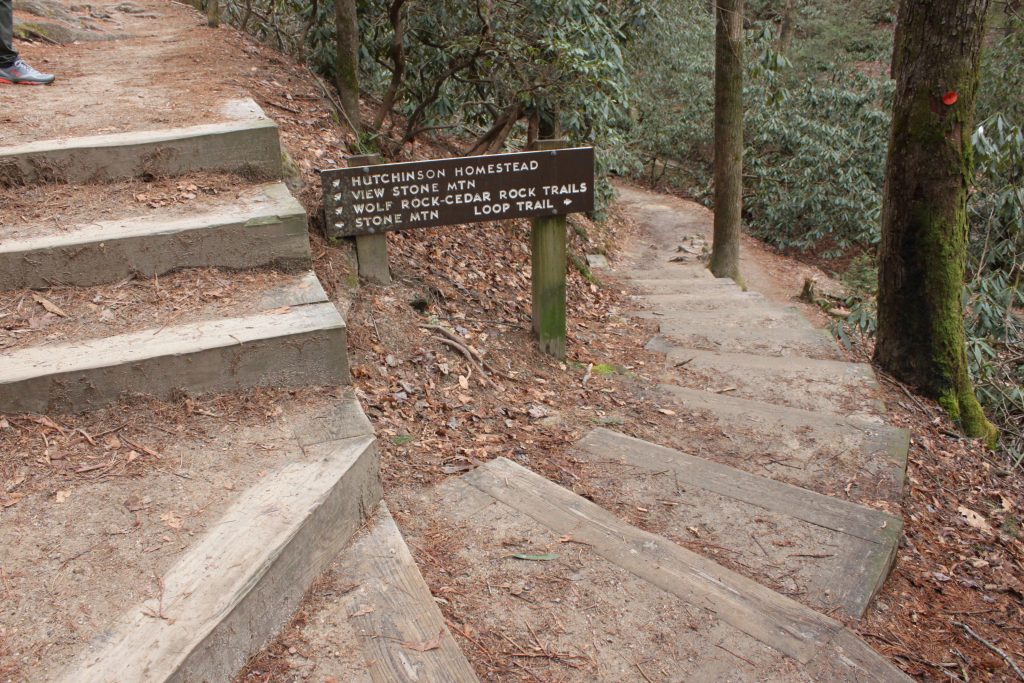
point(14, 70)
point(7, 52)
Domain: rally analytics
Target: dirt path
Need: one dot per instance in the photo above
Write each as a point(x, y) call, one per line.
point(161, 74)
point(778, 278)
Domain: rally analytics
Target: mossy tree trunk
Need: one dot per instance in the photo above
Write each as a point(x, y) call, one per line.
point(346, 63)
point(725, 248)
point(923, 252)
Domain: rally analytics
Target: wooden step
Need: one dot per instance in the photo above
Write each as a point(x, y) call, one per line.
point(662, 285)
point(741, 313)
point(236, 586)
point(704, 301)
point(824, 552)
point(245, 141)
point(761, 332)
point(371, 617)
point(809, 383)
point(261, 226)
point(859, 458)
point(287, 335)
point(618, 603)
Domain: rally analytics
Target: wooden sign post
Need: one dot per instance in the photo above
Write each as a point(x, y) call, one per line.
point(548, 264)
point(371, 249)
point(367, 200)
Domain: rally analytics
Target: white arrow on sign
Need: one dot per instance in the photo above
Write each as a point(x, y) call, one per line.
point(567, 202)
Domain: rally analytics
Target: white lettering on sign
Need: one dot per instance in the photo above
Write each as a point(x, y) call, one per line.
point(450, 191)
point(493, 169)
point(565, 189)
point(491, 209)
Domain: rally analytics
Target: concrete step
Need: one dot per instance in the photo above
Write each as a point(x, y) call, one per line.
point(824, 552)
point(811, 384)
point(232, 587)
point(857, 458)
point(371, 617)
point(570, 581)
point(245, 141)
point(287, 334)
point(260, 226)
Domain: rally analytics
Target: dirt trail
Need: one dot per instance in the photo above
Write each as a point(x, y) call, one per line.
point(161, 74)
point(778, 278)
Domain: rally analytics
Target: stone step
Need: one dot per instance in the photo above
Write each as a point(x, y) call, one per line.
point(858, 458)
point(233, 587)
point(261, 226)
point(811, 384)
point(246, 142)
point(287, 334)
point(371, 617)
point(824, 552)
point(572, 582)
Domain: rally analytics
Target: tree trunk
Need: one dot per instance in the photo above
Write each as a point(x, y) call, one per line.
point(923, 252)
point(725, 250)
point(397, 52)
point(346, 63)
point(786, 26)
point(213, 13)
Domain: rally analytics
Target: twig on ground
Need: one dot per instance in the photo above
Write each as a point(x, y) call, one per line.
point(1006, 658)
point(469, 356)
point(464, 344)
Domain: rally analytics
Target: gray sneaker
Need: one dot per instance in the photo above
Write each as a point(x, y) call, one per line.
point(21, 73)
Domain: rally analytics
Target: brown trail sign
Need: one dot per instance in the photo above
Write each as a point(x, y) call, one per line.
point(543, 185)
point(423, 194)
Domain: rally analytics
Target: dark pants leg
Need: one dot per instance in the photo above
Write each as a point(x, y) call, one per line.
point(7, 53)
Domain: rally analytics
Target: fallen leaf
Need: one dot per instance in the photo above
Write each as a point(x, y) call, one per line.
point(62, 496)
point(10, 500)
point(463, 381)
point(49, 305)
point(362, 611)
point(426, 645)
point(975, 519)
point(172, 520)
point(545, 557)
point(666, 411)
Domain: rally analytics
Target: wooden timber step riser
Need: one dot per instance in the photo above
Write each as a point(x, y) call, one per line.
point(813, 442)
point(248, 145)
point(735, 508)
point(387, 606)
point(754, 337)
point(788, 627)
point(809, 383)
point(682, 301)
point(270, 232)
point(302, 346)
point(684, 285)
point(237, 587)
point(735, 313)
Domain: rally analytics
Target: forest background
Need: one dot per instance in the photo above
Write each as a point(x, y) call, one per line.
point(634, 78)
